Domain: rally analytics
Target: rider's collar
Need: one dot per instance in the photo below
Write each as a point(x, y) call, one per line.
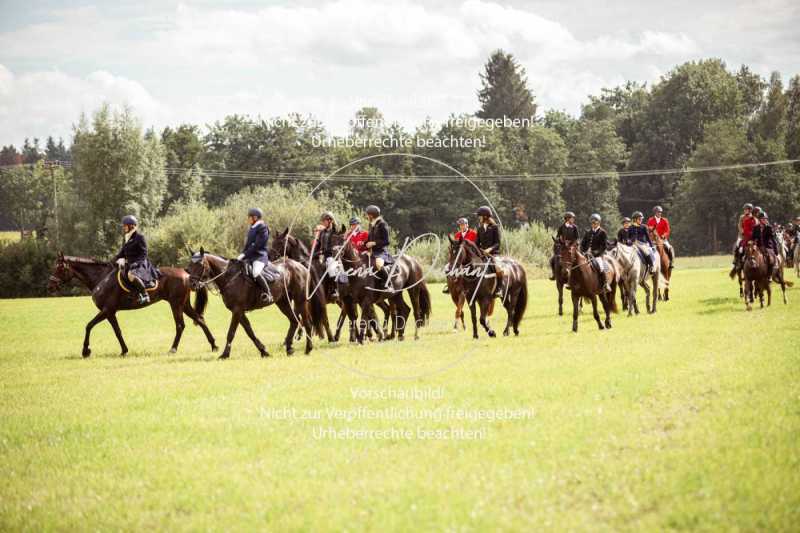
point(129, 234)
point(258, 222)
point(375, 221)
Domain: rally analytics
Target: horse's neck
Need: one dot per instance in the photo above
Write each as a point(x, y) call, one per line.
point(217, 265)
point(90, 274)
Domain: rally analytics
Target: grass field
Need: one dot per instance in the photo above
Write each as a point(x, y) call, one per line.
point(9, 236)
point(689, 419)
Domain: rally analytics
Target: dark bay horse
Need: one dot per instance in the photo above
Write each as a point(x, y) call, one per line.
point(471, 265)
point(455, 284)
point(757, 277)
point(585, 283)
point(560, 279)
point(367, 290)
point(101, 278)
point(294, 248)
point(241, 294)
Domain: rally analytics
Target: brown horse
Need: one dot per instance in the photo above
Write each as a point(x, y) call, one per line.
point(366, 289)
point(666, 272)
point(560, 279)
point(472, 266)
point(757, 277)
point(241, 294)
point(290, 246)
point(110, 296)
point(585, 283)
point(455, 285)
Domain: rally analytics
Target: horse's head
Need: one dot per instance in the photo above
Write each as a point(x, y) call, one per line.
point(567, 256)
point(198, 268)
point(342, 247)
point(62, 273)
point(452, 250)
point(752, 255)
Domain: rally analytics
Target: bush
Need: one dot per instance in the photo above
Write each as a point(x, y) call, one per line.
point(25, 267)
point(222, 230)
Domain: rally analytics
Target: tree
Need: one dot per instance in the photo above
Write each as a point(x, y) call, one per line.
point(594, 147)
point(504, 91)
point(793, 120)
point(56, 151)
point(770, 121)
point(10, 156)
point(117, 170)
point(26, 197)
point(183, 153)
point(752, 87)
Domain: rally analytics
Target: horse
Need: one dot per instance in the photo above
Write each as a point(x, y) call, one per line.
point(109, 295)
point(757, 277)
point(666, 272)
point(292, 247)
point(365, 289)
point(455, 285)
point(241, 294)
point(584, 283)
point(472, 265)
point(559, 279)
point(632, 273)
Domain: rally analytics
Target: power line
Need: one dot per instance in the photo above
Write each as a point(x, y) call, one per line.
point(319, 175)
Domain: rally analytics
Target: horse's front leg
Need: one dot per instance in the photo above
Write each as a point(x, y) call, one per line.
point(576, 307)
point(200, 321)
point(560, 288)
point(99, 317)
point(484, 305)
point(474, 317)
point(112, 319)
point(340, 321)
point(252, 334)
point(655, 292)
point(235, 318)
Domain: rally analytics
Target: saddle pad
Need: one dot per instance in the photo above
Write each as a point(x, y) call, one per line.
point(127, 286)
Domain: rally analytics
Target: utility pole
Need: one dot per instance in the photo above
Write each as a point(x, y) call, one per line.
point(51, 165)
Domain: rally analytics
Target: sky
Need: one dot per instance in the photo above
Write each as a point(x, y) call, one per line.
point(196, 62)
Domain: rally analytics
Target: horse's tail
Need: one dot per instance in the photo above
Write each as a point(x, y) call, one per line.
point(788, 283)
point(522, 304)
point(424, 303)
point(612, 297)
point(201, 300)
point(319, 313)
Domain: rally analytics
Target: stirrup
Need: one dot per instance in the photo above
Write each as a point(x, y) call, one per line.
point(144, 298)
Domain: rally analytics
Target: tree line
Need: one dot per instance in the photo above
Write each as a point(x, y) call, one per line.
point(700, 114)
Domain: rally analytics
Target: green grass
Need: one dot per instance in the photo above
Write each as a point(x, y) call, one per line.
point(689, 419)
point(9, 236)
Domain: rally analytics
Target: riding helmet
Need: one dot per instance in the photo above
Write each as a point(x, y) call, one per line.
point(355, 220)
point(763, 214)
point(625, 219)
point(484, 211)
point(757, 209)
point(373, 210)
point(462, 220)
point(658, 209)
point(130, 220)
point(327, 215)
point(595, 218)
point(569, 214)
point(748, 205)
point(637, 214)
point(255, 212)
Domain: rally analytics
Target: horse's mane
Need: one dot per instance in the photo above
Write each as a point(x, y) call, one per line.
point(84, 260)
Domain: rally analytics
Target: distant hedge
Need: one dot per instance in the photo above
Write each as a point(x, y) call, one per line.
point(25, 267)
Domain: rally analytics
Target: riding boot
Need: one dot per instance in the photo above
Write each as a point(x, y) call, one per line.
point(144, 298)
point(446, 289)
point(266, 294)
point(499, 289)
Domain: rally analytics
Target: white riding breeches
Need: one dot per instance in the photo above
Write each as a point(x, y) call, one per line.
point(258, 267)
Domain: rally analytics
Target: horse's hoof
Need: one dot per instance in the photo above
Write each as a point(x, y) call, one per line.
point(516, 333)
point(264, 353)
point(475, 337)
point(505, 333)
point(601, 327)
point(289, 351)
point(173, 350)
point(123, 353)
point(86, 352)
point(608, 325)
point(224, 355)
point(308, 351)
point(491, 333)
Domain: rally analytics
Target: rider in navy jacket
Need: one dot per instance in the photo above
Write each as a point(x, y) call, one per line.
point(255, 250)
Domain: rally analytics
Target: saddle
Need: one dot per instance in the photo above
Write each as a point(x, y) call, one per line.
point(270, 273)
point(599, 265)
point(126, 285)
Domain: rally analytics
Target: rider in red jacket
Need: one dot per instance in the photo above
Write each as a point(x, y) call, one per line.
point(357, 235)
point(661, 226)
point(464, 231)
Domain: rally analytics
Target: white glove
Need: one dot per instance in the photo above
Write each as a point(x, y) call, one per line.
point(241, 256)
point(121, 261)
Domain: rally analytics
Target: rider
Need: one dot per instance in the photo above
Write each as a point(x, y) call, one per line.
point(378, 242)
point(660, 225)
point(255, 250)
point(322, 248)
point(488, 240)
point(567, 231)
point(764, 236)
point(745, 226)
point(795, 235)
point(622, 234)
point(357, 235)
point(640, 237)
point(464, 232)
point(594, 243)
point(140, 271)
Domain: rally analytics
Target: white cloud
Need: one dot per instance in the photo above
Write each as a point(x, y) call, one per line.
point(50, 102)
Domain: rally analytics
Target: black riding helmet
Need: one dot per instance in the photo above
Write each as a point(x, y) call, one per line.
point(373, 210)
point(637, 214)
point(327, 215)
point(255, 212)
point(626, 219)
point(129, 220)
point(748, 205)
point(484, 211)
point(568, 215)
